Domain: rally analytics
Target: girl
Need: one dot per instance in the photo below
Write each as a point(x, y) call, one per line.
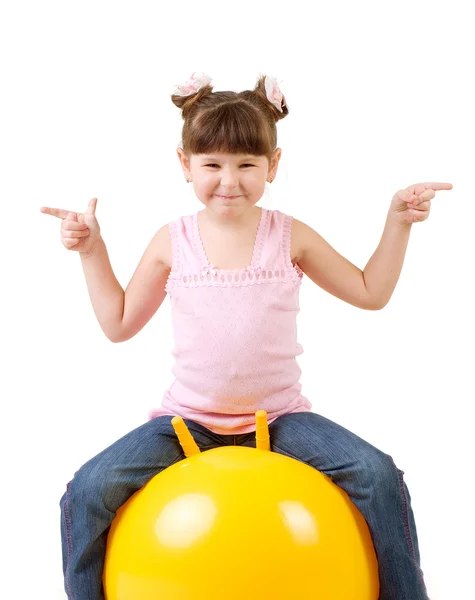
point(233, 273)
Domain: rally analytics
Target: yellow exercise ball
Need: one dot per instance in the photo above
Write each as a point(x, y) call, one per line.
point(237, 522)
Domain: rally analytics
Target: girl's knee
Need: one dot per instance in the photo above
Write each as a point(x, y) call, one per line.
point(378, 469)
point(88, 486)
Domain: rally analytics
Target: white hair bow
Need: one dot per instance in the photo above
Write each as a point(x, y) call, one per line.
point(193, 85)
point(274, 95)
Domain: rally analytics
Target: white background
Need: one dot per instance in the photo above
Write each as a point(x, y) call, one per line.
point(380, 95)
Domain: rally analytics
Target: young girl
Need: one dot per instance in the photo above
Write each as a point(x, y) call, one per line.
point(233, 273)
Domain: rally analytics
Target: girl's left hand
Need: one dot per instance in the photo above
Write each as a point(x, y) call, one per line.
point(413, 204)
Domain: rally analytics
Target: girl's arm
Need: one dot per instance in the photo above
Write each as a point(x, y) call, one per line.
point(105, 292)
point(332, 271)
point(382, 271)
point(123, 314)
point(120, 314)
point(372, 288)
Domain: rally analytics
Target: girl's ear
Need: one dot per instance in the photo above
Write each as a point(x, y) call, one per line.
point(275, 161)
point(184, 161)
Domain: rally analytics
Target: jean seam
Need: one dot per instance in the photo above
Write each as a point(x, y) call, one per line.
point(406, 524)
point(68, 537)
point(405, 515)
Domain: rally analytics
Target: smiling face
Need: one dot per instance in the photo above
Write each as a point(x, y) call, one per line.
point(229, 182)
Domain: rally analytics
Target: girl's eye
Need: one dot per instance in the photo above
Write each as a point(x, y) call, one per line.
point(215, 165)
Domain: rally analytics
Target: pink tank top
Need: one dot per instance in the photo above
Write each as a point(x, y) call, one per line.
point(235, 330)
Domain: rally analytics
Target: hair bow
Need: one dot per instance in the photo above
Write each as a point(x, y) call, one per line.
point(274, 95)
point(193, 85)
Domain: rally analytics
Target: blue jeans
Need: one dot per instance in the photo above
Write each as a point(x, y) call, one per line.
point(369, 477)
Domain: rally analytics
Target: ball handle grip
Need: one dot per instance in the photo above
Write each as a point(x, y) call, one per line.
point(184, 437)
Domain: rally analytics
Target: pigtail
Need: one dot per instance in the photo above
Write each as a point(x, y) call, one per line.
point(261, 93)
point(186, 102)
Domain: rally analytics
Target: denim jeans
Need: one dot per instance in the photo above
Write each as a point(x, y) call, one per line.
point(370, 478)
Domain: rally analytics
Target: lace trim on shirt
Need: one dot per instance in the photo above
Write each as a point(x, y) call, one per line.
point(176, 255)
point(233, 278)
point(210, 277)
point(261, 236)
point(296, 271)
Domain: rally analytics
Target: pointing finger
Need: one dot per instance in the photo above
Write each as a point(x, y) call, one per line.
point(418, 188)
point(438, 186)
point(56, 212)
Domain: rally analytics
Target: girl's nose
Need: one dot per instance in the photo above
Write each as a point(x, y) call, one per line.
point(229, 179)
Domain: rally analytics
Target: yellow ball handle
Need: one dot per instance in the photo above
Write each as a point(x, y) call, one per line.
point(262, 431)
point(184, 437)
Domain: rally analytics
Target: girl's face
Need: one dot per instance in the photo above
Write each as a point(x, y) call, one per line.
point(229, 182)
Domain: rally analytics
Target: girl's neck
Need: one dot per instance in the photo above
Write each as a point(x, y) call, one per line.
point(231, 223)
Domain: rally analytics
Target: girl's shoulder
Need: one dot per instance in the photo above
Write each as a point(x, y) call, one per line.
point(297, 238)
point(163, 246)
point(163, 240)
point(297, 232)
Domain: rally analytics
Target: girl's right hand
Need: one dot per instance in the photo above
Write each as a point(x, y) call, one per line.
point(79, 231)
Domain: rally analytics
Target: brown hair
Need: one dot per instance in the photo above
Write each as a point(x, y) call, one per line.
point(232, 122)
